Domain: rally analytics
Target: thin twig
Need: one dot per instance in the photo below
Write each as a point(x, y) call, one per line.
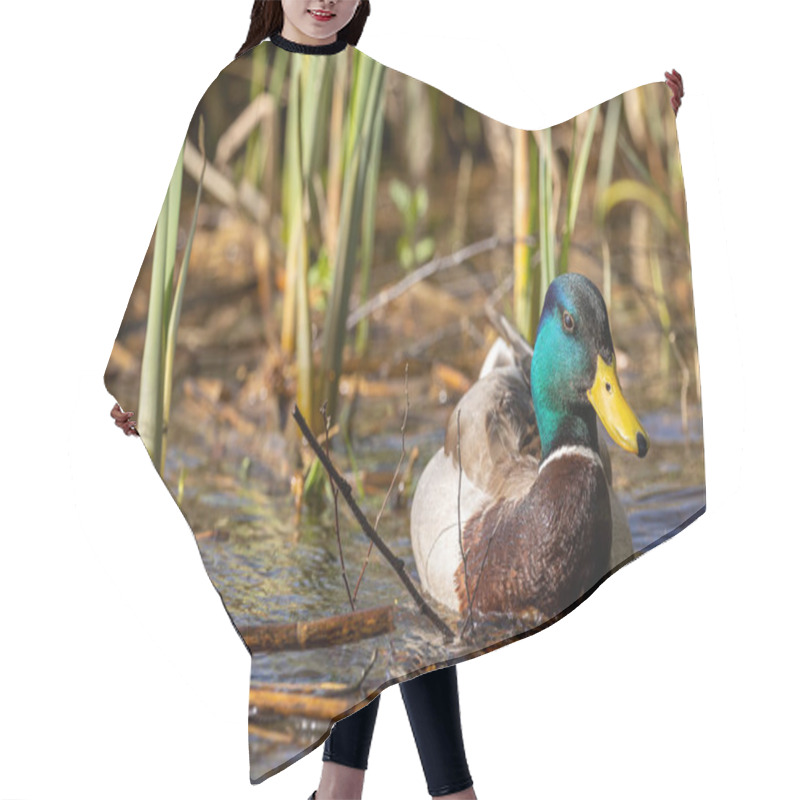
point(685, 378)
point(502, 288)
point(460, 539)
point(402, 450)
point(366, 670)
point(672, 338)
point(347, 492)
point(390, 293)
point(391, 485)
point(327, 420)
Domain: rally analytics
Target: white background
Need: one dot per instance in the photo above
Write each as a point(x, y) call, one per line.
point(120, 674)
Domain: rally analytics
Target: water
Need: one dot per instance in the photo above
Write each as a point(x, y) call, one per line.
point(270, 569)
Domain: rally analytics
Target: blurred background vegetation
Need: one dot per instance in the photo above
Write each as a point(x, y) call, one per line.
point(345, 230)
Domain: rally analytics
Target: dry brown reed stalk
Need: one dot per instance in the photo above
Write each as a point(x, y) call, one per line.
point(524, 312)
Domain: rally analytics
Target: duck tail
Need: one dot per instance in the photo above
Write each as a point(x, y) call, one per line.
point(510, 349)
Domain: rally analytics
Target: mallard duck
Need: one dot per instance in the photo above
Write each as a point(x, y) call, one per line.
point(539, 522)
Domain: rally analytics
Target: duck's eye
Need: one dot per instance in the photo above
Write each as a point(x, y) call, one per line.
point(568, 321)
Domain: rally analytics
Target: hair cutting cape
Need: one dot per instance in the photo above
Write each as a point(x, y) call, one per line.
point(347, 240)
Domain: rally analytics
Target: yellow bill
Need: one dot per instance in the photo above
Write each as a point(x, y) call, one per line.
point(614, 412)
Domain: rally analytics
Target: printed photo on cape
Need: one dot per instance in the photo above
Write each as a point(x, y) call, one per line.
point(488, 333)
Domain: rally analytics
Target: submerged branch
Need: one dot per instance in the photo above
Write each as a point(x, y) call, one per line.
point(298, 704)
point(324, 632)
point(306, 699)
point(346, 491)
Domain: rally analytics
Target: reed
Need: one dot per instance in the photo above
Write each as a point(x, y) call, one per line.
point(335, 149)
point(579, 158)
point(163, 315)
point(412, 250)
point(524, 294)
point(255, 157)
point(605, 170)
point(649, 181)
point(536, 192)
point(328, 215)
point(360, 154)
point(260, 151)
point(309, 105)
point(368, 226)
point(547, 212)
point(649, 184)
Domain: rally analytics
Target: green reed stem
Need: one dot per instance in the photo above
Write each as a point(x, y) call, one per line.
point(163, 317)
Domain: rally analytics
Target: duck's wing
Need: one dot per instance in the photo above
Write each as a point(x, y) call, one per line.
point(493, 429)
point(490, 453)
point(442, 499)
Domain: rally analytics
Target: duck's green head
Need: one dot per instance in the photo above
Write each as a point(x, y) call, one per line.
point(574, 373)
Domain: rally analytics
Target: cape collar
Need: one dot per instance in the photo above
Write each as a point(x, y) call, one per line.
point(312, 49)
